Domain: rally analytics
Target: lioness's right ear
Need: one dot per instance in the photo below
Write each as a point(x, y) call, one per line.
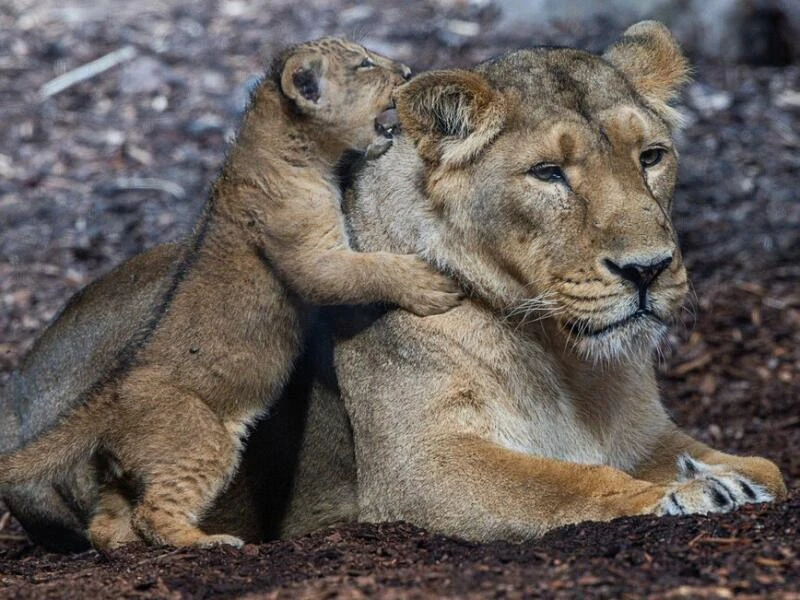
point(451, 115)
point(651, 59)
point(302, 80)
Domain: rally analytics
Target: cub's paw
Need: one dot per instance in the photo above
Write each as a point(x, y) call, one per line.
point(378, 148)
point(212, 541)
point(428, 292)
point(703, 489)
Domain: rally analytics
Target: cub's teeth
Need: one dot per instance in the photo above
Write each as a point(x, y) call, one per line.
point(387, 122)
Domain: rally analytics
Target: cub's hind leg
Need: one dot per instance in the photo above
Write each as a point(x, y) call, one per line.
point(184, 456)
point(110, 526)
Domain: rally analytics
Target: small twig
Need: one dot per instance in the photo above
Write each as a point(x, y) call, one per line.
point(87, 71)
point(691, 365)
point(9, 537)
point(38, 269)
point(160, 556)
point(769, 562)
point(149, 183)
point(4, 520)
point(729, 540)
point(696, 539)
point(785, 423)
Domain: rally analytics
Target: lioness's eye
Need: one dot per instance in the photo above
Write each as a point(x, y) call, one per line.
point(651, 157)
point(366, 63)
point(547, 172)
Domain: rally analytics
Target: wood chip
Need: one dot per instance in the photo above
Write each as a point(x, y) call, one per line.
point(691, 365)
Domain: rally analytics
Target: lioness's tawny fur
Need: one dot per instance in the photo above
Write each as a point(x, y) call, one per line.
point(169, 422)
point(543, 181)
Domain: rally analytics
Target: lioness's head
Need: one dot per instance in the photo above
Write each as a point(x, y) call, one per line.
point(547, 176)
point(340, 86)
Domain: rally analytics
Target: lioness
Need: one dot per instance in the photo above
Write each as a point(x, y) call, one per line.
point(543, 181)
point(218, 349)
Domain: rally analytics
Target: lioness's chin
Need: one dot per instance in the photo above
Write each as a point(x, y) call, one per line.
point(631, 338)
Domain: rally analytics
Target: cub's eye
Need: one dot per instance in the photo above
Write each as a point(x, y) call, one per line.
point(651, 157)
point(367, 63)
point(548, 172)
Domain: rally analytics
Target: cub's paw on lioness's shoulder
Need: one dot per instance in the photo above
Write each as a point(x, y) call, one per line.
point(703, 488)
point(427, 291)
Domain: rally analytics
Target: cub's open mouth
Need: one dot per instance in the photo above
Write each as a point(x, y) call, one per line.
point(386, 123)
point(583, 329)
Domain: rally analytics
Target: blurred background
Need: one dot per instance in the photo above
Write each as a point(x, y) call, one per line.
point(100, 160)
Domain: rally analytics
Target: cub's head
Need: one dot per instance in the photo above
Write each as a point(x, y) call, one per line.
point(341, 87)
point(549, 175)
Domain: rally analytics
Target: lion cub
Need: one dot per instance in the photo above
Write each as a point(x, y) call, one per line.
point(270, 243)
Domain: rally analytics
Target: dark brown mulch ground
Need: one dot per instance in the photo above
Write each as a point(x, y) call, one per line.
point(116, 164)
point(750, 553)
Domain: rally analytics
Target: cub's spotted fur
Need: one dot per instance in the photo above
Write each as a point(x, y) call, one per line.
point(166, 426)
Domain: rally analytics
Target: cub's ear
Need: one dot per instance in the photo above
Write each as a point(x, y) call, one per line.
point(653, 63)
point(302, 79)
point(451, 115)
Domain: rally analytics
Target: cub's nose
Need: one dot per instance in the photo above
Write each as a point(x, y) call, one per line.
point(405, 72)
point(640, 274)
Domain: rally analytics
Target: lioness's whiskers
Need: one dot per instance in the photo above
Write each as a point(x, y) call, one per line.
point(532, 310)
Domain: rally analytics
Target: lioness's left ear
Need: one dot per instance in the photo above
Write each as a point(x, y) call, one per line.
point(451, 115)
point(653, 63)
point(302, 80)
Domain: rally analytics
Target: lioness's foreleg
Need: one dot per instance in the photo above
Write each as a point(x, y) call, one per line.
point(469, 486)
point(705, 480)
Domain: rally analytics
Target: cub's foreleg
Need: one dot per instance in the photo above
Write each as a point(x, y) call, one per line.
point(348, 277)
point(307, 245)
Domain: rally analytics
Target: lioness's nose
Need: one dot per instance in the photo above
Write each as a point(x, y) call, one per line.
point(640, 274)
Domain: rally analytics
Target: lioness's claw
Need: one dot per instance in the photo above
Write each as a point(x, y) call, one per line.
point(703, 489)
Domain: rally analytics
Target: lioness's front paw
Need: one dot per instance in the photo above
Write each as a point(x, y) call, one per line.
point(703, 489)
point(429, 292)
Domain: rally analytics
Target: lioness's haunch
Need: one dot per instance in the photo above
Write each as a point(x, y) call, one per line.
point(160, 428)
point(543, 181)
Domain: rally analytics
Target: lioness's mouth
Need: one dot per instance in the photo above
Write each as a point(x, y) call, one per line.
point(583, 329)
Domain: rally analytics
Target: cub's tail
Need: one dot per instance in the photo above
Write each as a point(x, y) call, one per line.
point(74, 438)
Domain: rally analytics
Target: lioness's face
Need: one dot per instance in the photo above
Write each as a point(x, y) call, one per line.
point(583, 183)
point(568, 195)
